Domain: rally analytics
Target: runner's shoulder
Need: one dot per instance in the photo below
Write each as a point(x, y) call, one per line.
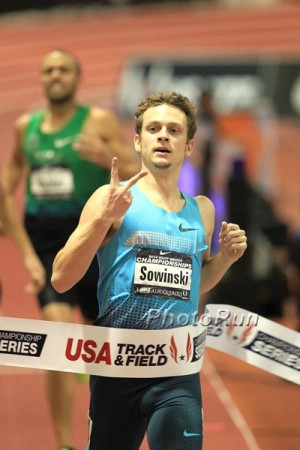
point(22, 122)
point(204, 202)
point(98, 113)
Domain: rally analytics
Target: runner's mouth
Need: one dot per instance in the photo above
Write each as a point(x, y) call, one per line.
point(162, 150)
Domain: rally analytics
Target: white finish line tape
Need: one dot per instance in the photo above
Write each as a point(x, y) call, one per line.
point(254, 339)
point(111, 352)
point(151, 353)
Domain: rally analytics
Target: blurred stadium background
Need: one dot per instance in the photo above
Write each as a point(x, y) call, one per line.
point(243, 54)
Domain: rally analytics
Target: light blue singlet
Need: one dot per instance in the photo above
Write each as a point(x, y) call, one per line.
point(150, 271)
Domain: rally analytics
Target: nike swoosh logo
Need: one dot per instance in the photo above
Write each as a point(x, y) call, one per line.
point(164, 253)
point(181, 228)
point(59, 143)
point(187, 434)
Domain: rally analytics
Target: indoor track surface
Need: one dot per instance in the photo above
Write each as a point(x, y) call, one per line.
point(244, 407)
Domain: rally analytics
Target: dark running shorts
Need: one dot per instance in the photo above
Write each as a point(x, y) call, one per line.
point(169, 409)
point(49, 235)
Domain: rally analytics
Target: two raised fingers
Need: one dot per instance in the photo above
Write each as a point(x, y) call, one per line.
point(114, 180)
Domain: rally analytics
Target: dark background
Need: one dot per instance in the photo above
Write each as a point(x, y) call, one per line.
point(23, 5)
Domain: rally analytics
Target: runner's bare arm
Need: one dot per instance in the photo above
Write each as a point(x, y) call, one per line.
point(13, 226)
point(15, 164)
point(102, 138)
point(232, 243)
point(105, 207)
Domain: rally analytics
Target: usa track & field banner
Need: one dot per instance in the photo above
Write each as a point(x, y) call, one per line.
point(111, 352)
point(129, 353)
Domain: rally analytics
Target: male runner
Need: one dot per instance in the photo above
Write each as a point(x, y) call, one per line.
point(14, 228)
point(65, 151)
point(138, 230)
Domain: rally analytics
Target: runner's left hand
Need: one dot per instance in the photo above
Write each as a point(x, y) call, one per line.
point(232, 241)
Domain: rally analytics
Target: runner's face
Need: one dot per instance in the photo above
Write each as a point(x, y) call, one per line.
point(59, 77)
point(163, 140)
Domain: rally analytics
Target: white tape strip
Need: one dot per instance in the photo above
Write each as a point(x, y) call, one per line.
point(101, 351)
point(254, 339)
point(151, 353)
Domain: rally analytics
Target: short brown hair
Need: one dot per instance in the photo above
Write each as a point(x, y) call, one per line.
point(169, 98)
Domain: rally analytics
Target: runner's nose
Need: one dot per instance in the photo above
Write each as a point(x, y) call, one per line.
point(163, 135)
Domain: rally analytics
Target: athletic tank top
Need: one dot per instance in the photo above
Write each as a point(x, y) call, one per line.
point(149, 272)
point(60, 181)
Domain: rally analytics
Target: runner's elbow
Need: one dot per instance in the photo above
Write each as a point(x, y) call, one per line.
point(59, 283)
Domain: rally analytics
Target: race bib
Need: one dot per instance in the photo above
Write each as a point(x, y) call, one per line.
point(54, 182)
point(162, 273)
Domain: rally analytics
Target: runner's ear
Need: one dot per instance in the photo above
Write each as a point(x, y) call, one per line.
point(137, 143)
point(189, 147)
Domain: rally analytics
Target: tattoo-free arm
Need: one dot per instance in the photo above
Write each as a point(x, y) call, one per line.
point(105, 207)
point(233, 243)
point(13, 227)
point(102, 138)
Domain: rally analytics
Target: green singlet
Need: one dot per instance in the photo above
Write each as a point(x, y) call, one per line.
point(60, 181)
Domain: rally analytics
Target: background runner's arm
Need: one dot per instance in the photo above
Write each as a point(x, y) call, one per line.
point(102, 138)
point(13, 226)
point(15, 164)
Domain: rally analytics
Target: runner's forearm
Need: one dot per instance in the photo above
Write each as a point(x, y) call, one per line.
point(213, 270)
point(74, 259)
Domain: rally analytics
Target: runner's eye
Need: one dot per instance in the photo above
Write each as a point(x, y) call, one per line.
point(152, 129)
point(174, 130)
point(46, 71)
